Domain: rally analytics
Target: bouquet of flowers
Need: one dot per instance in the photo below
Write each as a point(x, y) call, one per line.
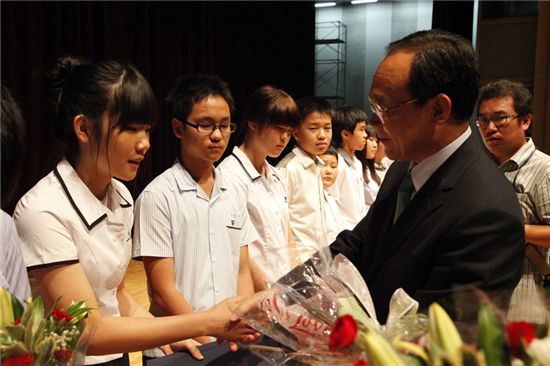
point(322, 313)
point(31, 337)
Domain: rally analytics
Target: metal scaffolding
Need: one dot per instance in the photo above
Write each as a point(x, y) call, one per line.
point(330, 61)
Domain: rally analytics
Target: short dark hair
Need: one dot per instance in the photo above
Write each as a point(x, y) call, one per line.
point(92, 89)
point(345, 118)
point(271, 106)
point(443, 63)
point(193, 88)
point(330, 151)
point(308, 105)
point(523, 100)
point(13, 131)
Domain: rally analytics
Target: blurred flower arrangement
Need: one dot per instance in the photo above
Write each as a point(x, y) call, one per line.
point(322, 313)
point(31, 337)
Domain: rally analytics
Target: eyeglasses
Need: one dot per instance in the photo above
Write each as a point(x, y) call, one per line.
point(207, 127)
point(498, 121)
point(379, 111)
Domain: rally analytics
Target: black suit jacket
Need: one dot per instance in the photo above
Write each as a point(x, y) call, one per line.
point(463, 228)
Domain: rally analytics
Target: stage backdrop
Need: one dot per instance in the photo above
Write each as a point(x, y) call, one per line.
point(246, 43)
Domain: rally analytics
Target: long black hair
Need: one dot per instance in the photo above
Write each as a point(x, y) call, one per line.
point(368, 164)
point(79, 87)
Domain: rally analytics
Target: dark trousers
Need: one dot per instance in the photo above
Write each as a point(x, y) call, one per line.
point(123, 361)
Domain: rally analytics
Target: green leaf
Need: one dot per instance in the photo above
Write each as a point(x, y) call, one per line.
point(6, 312)
point(491, 339)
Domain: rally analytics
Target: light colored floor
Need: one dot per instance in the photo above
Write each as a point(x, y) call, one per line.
point(136, 283)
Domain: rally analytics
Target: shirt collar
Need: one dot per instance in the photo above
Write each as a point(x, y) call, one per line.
point(246, 163)
point(185, 181)
point(90, 210)
point(305, 159)
point(349, 159)
point(520, 157)
point(421, 172)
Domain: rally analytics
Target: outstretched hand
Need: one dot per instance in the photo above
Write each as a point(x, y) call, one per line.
point(226, 325)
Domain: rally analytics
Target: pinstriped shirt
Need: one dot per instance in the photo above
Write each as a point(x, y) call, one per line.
point(175, 218)
point(529, 172)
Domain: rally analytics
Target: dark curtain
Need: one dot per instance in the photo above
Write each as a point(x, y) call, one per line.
point(454, 16)
point(246, 43)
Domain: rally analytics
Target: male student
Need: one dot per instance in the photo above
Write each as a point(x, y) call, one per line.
point(191, 226)
point(301, 169)
point(349, 136)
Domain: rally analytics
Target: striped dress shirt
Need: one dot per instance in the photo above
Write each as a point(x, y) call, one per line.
point(529, 171)
point(175, 218)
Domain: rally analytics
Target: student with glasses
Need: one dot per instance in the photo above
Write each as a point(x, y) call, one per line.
point(75, 224)
point(444, 219)
point(192, 227)
point(505, 114)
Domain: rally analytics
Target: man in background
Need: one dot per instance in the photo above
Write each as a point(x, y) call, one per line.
point(505, 114)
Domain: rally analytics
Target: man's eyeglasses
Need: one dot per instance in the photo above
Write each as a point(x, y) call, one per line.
point(499, 121)
point(207, 127)
point(379, 111)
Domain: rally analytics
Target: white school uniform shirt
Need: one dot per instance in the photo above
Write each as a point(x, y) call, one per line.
point(13, 272)
point(60, 221)
point(268, 210)
point(335, 222)
point(371, 190)
point(348, 190)
point(302, 176)
point(174, 218)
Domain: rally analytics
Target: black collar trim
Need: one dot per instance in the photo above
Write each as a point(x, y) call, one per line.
point(73, 203)
point(46, 265)
point(240, 162)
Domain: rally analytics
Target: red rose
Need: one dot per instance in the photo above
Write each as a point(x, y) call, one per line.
point(59, 315)
point(517, 331)
point(18, 321)
point(21, 360)
point(360, 362)
point(343, 333)
point(63, 355)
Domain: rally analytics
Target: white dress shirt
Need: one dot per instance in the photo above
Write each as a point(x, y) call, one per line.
point(371, 189)
point(302, 176)
point(13, 272)
point(268, 210)
point(421, 172)
point(335, 222)
point(60, 221)
point(175, 218)
point(348, 189)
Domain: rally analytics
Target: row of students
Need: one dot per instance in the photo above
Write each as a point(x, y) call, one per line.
point(193, 224)
point(75, 224)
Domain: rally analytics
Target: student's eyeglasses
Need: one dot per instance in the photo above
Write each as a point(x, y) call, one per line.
point(207, 127)
point(379, 111)
point(499, 121)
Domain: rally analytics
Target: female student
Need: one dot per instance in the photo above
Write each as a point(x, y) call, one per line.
point(75, 224)
point(335, 220)
point(371, 179)
point(270, 119)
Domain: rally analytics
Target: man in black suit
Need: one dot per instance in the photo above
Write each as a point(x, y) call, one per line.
point(445, 218)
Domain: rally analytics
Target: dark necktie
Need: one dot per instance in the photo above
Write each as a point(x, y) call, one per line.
point(406, 189)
